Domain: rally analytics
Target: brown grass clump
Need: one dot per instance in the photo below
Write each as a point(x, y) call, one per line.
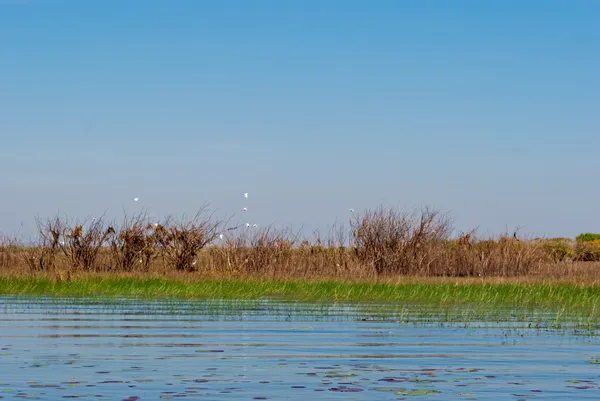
point(505, 256)
point(9, 251)
point(263, 252)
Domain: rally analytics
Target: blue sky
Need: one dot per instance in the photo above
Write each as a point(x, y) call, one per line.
point(487, 110)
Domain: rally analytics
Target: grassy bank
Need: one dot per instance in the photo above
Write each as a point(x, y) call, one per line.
point(383, 255)
point(567, 297)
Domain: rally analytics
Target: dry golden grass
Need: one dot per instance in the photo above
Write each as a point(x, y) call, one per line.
point(583, 274)
point(381, 246)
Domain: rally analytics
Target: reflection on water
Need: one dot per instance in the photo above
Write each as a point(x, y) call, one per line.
point(131, 350)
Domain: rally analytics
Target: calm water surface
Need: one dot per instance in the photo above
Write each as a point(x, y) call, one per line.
point(131, 350)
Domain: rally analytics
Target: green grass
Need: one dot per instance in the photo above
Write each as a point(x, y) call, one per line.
point(543, 306)
point(565, 296)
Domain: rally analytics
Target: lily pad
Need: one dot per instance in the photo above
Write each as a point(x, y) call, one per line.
point(417, 392)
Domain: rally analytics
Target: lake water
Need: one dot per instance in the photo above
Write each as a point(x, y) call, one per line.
point(131, 350)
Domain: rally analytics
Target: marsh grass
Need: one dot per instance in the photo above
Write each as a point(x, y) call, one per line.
point(473, 295)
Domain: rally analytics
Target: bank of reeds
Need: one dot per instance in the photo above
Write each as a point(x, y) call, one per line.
point(377, 244)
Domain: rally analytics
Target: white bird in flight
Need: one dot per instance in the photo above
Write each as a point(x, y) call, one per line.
point(136, 199)
point(246, 195)
point(351, 210)
point(247, 224)
point(254, 225)
point(245, 209)
point(221, 236)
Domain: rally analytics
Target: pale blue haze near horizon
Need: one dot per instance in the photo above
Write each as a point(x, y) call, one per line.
point(489, 110)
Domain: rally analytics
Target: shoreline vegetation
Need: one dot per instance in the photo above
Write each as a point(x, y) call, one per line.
point(417, 290)
point(550, 305)
point(384, 254)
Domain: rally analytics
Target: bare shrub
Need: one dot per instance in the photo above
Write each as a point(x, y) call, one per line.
point(82, 242)
point(134, 244)
point(180, 241)
point(396, 242)
point(41, 252)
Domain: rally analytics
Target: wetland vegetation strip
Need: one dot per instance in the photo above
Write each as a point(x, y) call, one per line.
point(566, 297)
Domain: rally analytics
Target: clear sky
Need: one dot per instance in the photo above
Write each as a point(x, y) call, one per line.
point(489, 110)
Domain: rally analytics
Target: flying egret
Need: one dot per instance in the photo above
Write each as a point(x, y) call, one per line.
point(221, 236)
point(247, 224)
point(245, 209)
point(246, 195)
point(254, 225)
point(136, 199)
point(351, 210)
